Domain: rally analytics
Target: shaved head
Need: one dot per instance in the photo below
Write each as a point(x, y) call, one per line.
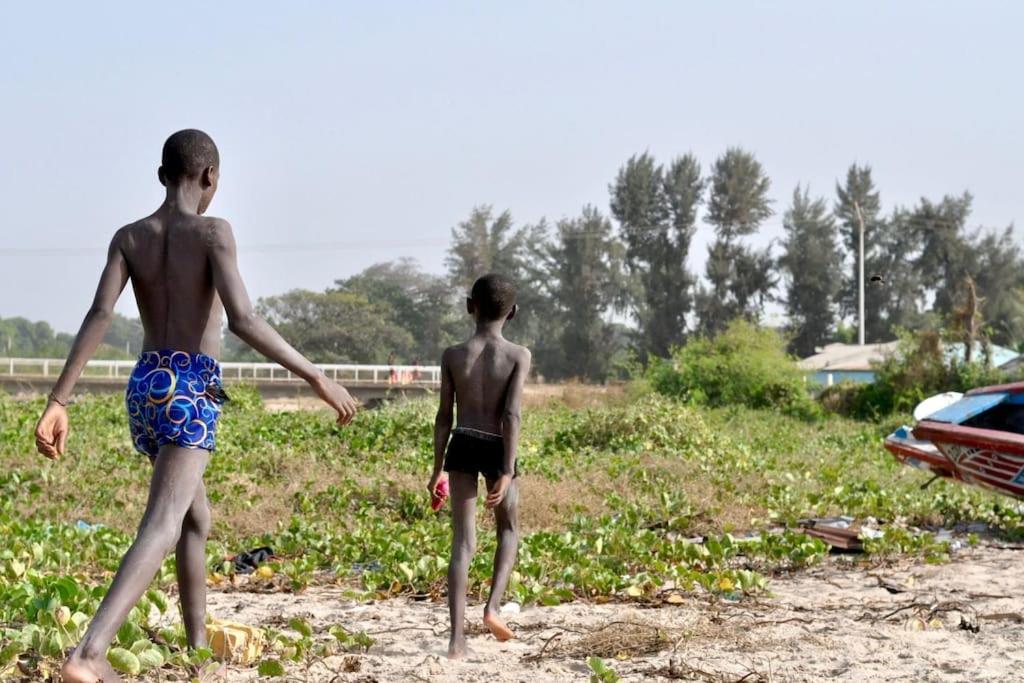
point(187, 153)
point(494, 296)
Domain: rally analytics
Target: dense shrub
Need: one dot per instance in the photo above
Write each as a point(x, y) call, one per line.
point(744, 366)
point(920, 368)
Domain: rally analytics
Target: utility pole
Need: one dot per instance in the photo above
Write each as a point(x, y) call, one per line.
point(860, 275)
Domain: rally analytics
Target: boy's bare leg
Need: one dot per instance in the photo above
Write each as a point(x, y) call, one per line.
point(462, 487)
point(190, 562)
point(506, 521)
point(176, 477)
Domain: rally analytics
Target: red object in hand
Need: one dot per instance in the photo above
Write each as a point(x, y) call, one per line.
point(440, 495)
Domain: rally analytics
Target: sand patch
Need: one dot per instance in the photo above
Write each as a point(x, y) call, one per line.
point(953, 622)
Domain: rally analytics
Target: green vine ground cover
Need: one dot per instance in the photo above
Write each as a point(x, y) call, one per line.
point(612, 498)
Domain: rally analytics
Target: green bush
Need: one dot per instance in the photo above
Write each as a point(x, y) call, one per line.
point(744, 366)
point(919, 369)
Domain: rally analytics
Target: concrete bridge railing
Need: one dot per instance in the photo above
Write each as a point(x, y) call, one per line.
point(257, 373)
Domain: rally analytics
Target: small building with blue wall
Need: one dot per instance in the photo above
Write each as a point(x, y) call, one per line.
point(835, 363)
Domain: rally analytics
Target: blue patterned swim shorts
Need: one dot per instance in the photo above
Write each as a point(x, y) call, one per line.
point(174, 398)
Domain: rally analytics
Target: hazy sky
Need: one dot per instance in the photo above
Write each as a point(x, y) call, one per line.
point(353, 133)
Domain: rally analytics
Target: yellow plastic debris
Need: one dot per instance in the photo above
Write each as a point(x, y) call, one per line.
point(917, 624)
point(235, 643)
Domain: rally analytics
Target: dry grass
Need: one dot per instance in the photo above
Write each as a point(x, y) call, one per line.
point(546, 504)
point(257, 504)
point(718, 509)
point(616, 639)
point(572, 395)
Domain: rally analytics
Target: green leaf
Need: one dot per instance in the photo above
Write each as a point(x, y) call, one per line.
point(53, 647)
point(140, 645)
point(151, 659)
point(159, 600)
point(270, 667)
point(129, 633)
point(302, 626)
point(10, 652)
point(124, 661)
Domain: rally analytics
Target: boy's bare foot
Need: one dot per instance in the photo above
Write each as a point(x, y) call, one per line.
point(458, 649)
point(77, 670)
point(497, 627)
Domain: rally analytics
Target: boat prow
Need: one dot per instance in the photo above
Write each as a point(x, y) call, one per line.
point(978, 438)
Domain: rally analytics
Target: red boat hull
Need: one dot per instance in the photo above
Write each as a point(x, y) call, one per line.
point(935, 461)
point(985, 457)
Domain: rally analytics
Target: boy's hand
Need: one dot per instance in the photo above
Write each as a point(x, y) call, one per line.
point(497, 494)
point(338, 398)
point(435, 479)
point(438, 488)
point(52, 431)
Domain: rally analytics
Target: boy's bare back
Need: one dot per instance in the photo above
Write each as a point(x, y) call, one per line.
point(481, 370)
point(168, 259)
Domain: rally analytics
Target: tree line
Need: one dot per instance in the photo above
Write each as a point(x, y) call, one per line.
point(23, 338)
point(603, 288)
point(600, 288)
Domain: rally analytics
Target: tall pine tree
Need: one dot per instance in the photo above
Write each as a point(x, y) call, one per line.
point(999, 275)
point(657, 211)
point(811, 262)
point(585, 283)
point(946, 256)
point(895, 296)
point(740, 278)
point(485, 243)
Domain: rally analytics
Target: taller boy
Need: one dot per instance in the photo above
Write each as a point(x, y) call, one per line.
point(183, 269)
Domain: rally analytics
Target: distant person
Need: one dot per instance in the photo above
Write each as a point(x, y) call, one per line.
point(416, 370)
point(392, 371)
point(182, 266)
point(484, 378)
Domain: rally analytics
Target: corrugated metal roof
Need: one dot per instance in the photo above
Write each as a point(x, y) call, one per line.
point(853, 357)
point(848, 356)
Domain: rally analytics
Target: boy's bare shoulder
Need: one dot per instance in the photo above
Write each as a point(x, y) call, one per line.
point(453, 352)
point(517, 352)
point(217, 231)
point(128, 235)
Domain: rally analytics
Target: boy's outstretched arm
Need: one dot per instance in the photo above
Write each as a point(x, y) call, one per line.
point(256, 332)
point(52, 429)
point(510, 424)
point(442, 423)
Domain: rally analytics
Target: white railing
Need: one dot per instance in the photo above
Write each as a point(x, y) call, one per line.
point(422, 375)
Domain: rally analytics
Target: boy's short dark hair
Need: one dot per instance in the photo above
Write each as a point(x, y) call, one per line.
point(494, 296)
point(187, 153)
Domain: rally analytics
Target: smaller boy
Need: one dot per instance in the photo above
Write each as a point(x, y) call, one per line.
point(484, 375)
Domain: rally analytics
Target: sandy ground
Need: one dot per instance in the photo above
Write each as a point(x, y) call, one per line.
point(960, 621)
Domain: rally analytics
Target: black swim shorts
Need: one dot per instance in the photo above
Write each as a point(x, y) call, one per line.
point(476, 452)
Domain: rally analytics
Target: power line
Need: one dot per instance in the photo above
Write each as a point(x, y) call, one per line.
point(364, 245)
